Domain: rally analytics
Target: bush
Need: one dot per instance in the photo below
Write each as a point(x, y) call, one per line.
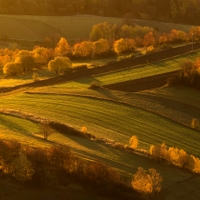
point(94, 85)
point(133, 142)
point(195, 123)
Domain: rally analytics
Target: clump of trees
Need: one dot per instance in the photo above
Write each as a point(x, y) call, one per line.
point(147, 182)
point(189, 75)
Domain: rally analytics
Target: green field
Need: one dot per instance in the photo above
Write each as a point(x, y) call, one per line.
point(107, 119)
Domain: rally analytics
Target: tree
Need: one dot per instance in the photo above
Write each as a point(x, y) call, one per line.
point(120, 46)
point(159, 152)
point(60, 65)
point(22, 168)
point(178, 156)
point(99, 47)
point(42, 56)
point(149, 39)
point(12, 69)
point(133, 142)
point(62, 48)
point(25, 59)
point(103, 30)
point(46, 130)
point(83, 49)
point(147, 182)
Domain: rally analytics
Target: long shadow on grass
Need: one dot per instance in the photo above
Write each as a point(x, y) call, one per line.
point(107, 93)
point(193, 111)
point(12, 126)
point(88, 81)
point(88, 144)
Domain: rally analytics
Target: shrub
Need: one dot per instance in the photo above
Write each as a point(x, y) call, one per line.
point(195, 123)
point(133, 142)
point(94, 85)
point(84, 129)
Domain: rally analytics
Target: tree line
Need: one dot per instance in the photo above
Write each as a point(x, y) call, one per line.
point(177, 11)
point(105, 40)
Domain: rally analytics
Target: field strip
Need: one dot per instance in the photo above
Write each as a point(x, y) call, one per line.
point(107, 119)
point(125, 102)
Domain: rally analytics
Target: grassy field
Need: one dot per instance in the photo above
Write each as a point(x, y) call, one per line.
point(71, 27)
point(39, 27)
point(181, 94)
point(25, 29)
point(107, 119)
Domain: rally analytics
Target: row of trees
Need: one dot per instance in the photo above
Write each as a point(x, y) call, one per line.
point(181, 11)
point(176, 156)
point(143, 36)
point(173, 155)
point(105, 39)
point(14, 62)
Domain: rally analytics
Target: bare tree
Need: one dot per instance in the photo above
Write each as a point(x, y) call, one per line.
point(46, 130)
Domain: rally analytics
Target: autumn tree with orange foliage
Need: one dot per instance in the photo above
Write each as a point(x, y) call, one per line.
point(62, 48)
point(83, 49)
point(149, 40)
point(147, 182)
point(123, 45)
point(42, 56)
point(100, 47)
